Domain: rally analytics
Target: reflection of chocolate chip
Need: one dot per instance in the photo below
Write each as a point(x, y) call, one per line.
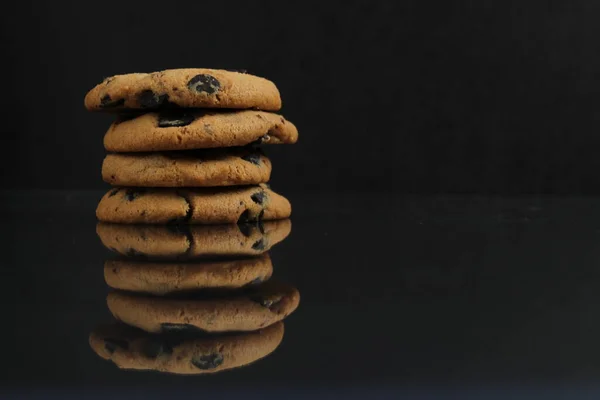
point(107, 102)
point(208, 361)
point(204, 83)
point(244, 217)
point(170, 119)
point(254, 158)
point(246, 229)
point(154, 347)
point(167, 327)
point(259, 197)
point(261, 214)
point(133, 194)
point(111, 344)
point(259, 244)
point(149, 99)
point(113, 192)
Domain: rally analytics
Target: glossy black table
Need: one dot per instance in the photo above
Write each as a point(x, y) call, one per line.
point(412, 296)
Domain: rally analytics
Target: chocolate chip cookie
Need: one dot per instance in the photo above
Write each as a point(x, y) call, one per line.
point(189, 88)
point(161, 278)
point(247, 310)
point(197, 129)
point(130, 348)
point(192, 206)
point(184, 242)
point(193, 168)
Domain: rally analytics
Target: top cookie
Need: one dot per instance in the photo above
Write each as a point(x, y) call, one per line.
point(190, 88)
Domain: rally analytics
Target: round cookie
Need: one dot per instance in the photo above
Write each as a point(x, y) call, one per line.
point(165, 278)
point(184, 242)
point(192, 206)
point(189, 88)
point(246, 310)
point(192, 168)
point(130, 348)
point(197, 129)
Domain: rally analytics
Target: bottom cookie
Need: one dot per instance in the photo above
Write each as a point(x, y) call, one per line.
point(130, 348)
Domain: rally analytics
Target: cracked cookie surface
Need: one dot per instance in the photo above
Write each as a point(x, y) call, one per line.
point(198, 129)
point(188, 88)
point(185, 242)
point(194, 206)
point(192, 168)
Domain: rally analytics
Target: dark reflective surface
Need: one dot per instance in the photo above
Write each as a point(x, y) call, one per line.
point(408, 294)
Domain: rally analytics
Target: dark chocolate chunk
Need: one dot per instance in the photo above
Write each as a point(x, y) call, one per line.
point(256, 281)
point(170, 119)
point(264, 138)
point(259, 244)
point(133, 194)
point(208, 361)
point(149, 99)
point(107, 102)
point(113, 192)
point(167, 327)
point(254, 158)
point(204, 83)
point(267, 303)
point(154, 347)
point(246, 229)
point(259, 197)
point(111, 344)
point(244, 217)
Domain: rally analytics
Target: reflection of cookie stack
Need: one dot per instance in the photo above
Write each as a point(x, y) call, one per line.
point(184, 147)
point(192, 299)
point(194, 294)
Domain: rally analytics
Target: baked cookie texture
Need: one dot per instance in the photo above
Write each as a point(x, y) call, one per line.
point(195, 168)
point(192, 206)
point(185, 242)
point(197, 129)
point(252, 309)
point(162, 278)
point(189, 88)
point(130, 348)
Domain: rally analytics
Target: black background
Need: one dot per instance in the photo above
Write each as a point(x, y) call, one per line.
point(409, 96)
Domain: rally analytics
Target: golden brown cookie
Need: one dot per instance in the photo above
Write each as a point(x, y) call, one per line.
point(160, 278)
point(198, 129)
point(192, 168)
point(183, 242)
point(130, 348)
point(192, 206)
point(189, 88)
point(246, 310)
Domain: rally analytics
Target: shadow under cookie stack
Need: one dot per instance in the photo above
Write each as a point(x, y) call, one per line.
point(192, 218)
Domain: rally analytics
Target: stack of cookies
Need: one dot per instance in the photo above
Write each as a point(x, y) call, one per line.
point(185, 147)
point(191, 219)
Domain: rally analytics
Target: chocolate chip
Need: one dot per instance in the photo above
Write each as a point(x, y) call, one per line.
point(204, 83)
point(261, 214)
point(154, 347)
point(259, 197)
point(111, 344)
point(259, 244)
point(208, 361)
point(149, 99)
point(167, 327)
point(255, 281)
point(254, 158)
point(267, 303)
point(107, 102)
point(113, 192)
point(133, 194)
point(244, 217)
point(241, 71)
point(246, 229)
point(170, 119)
